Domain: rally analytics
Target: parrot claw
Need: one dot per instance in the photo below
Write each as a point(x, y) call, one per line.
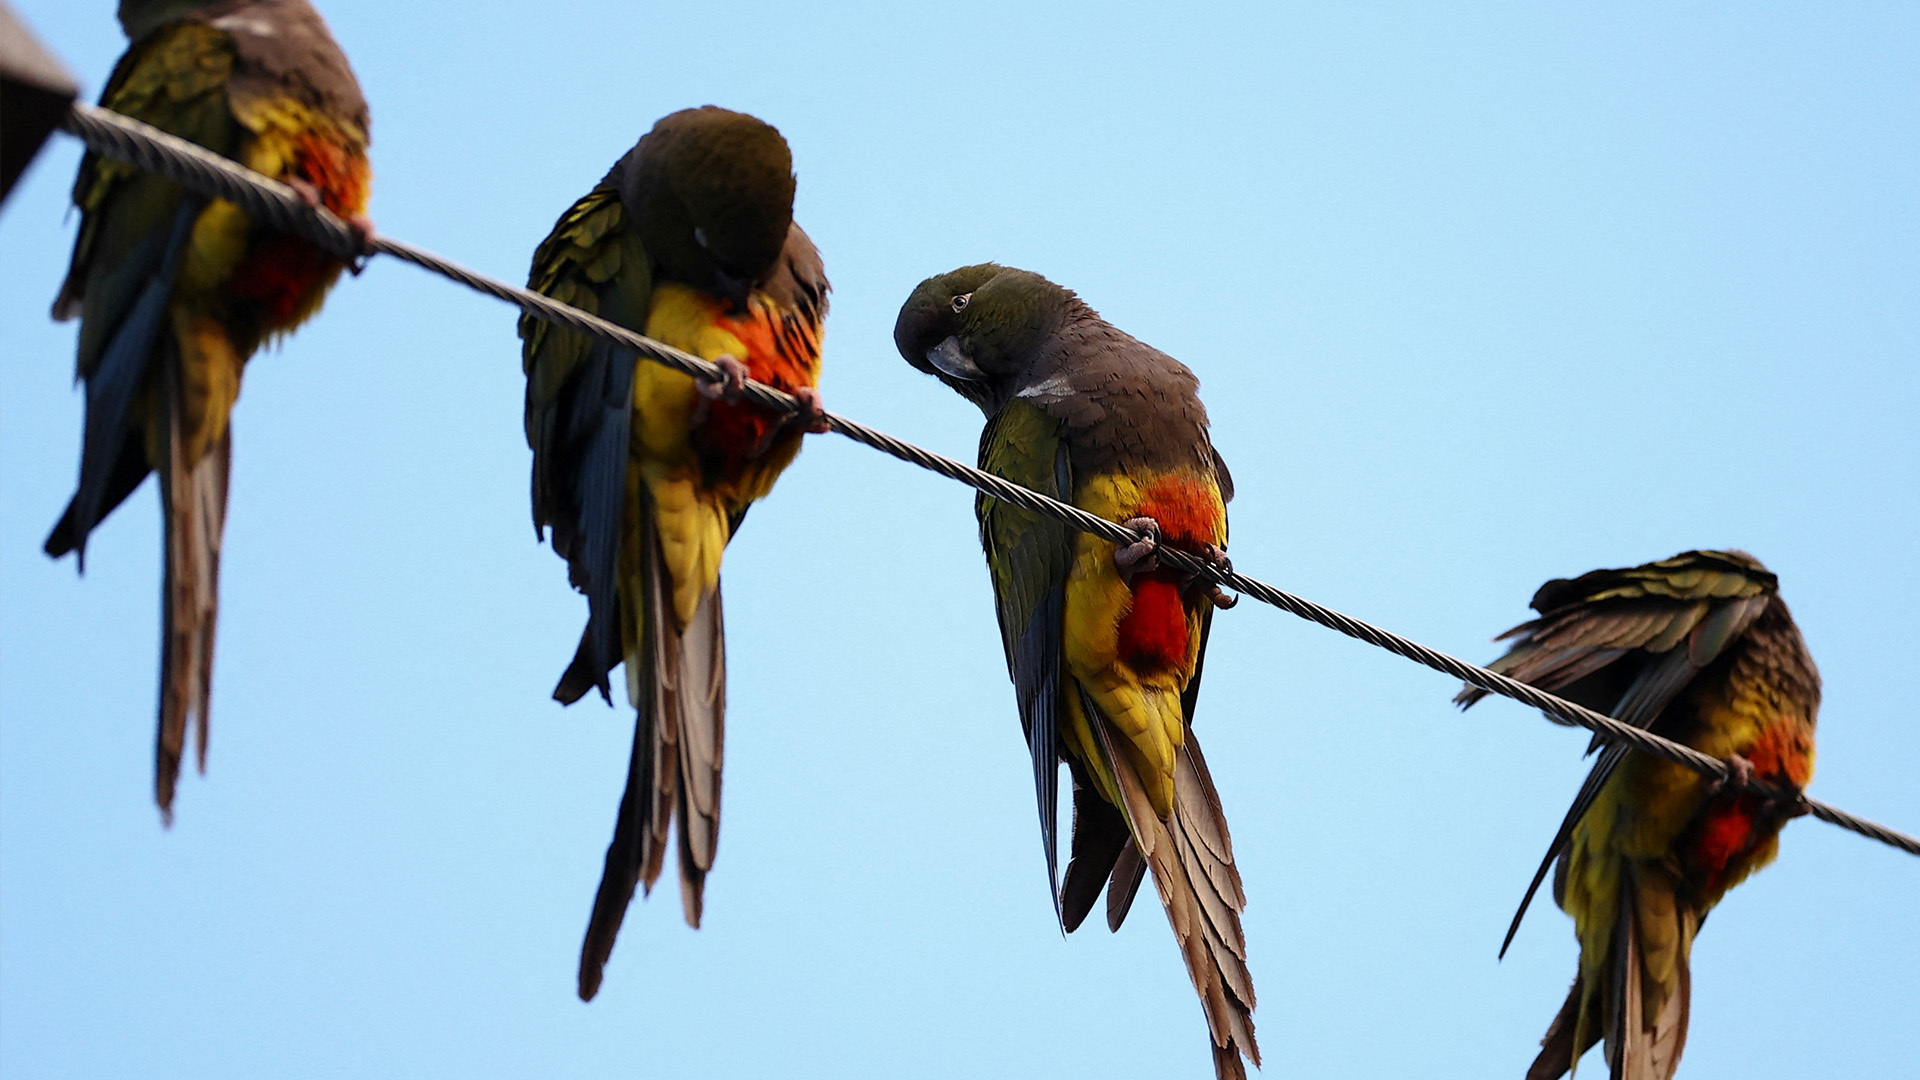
point(363, 233)
point(1788, 809)
point(1142, 557)
point(1739, 776)
point(731, 384)
point(811, 417)
point(1139, 557)
point(359, 224)
point(1216, 557)
point(308, 194)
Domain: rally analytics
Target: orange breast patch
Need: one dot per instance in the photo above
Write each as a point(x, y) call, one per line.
point(782, 351)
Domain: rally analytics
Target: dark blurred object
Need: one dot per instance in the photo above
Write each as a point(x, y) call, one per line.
point(35, 90)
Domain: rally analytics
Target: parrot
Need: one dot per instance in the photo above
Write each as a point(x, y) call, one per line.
point(641, 474)
point(1103, 644)
point(175, 291)
point(1700, 649)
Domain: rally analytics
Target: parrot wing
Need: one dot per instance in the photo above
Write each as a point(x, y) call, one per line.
point(1029, 557)
point(1611, 640)
point(579, 411)
point(134, 227)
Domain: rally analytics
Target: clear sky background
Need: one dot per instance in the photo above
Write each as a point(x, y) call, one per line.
point(1477, 298)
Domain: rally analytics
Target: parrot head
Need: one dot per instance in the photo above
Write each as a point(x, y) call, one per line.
point(142, 17)
point(712, 193)
point(979, 329)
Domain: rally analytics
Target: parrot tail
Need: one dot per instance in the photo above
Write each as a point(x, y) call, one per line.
point(677, 683)
point(1191, 858)
point(699, 696)
point(194, 501)
point(1645, 1002)
point(1556, 1046)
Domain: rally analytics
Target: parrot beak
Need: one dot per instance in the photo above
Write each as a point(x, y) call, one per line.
point(948, 357)
point(733, 289)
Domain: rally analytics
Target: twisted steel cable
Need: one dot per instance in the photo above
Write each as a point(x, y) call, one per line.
point(280, 207)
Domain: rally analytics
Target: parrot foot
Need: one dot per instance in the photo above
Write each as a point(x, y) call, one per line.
point(811, 417)
point(363, 231)
point(731, 384)
point(1739, 776)
point(1142, 556)
point(1216, 557)
point(359, 224)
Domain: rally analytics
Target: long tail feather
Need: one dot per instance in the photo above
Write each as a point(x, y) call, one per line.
point(1653, 937)
point(639, 832)
point(194, 498)
point(700, 698)
point(677, 683)
point(1205, 919)
point(626, 856)
point(1556, 1046)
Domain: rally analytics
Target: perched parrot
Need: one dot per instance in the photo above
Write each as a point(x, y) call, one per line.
point(176, 291)
point(1699, 649)
point(643, 474)
point(1104, 646)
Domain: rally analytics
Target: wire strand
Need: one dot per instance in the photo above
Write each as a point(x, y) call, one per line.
point(279, 207)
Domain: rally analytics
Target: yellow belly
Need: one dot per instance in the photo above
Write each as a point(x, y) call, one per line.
point(1145, 707)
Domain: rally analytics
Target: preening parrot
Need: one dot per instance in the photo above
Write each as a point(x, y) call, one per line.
point(1700, 649)
point(1104, 646)
point(644, 474)
point(175, 291)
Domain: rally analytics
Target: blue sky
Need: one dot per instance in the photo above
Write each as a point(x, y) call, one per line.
point(1477, 299)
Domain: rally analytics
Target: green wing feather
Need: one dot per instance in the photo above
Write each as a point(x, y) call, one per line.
point(1029, 558)
point(579, 263)
point(1611, 640)
point(132, 234)
point(578, 412)
point(175, 80)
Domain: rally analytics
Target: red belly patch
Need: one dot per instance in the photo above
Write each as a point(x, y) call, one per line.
point(279, 273)
point(1725, 832)
point(1153, 633)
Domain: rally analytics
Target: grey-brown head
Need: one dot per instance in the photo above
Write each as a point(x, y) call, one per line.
point(979, 328)
point(711, 191)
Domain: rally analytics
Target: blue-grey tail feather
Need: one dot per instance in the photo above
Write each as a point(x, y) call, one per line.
point(111, 388)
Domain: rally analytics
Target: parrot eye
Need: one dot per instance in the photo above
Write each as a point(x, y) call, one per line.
point(960, 303)
point(700, 237)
